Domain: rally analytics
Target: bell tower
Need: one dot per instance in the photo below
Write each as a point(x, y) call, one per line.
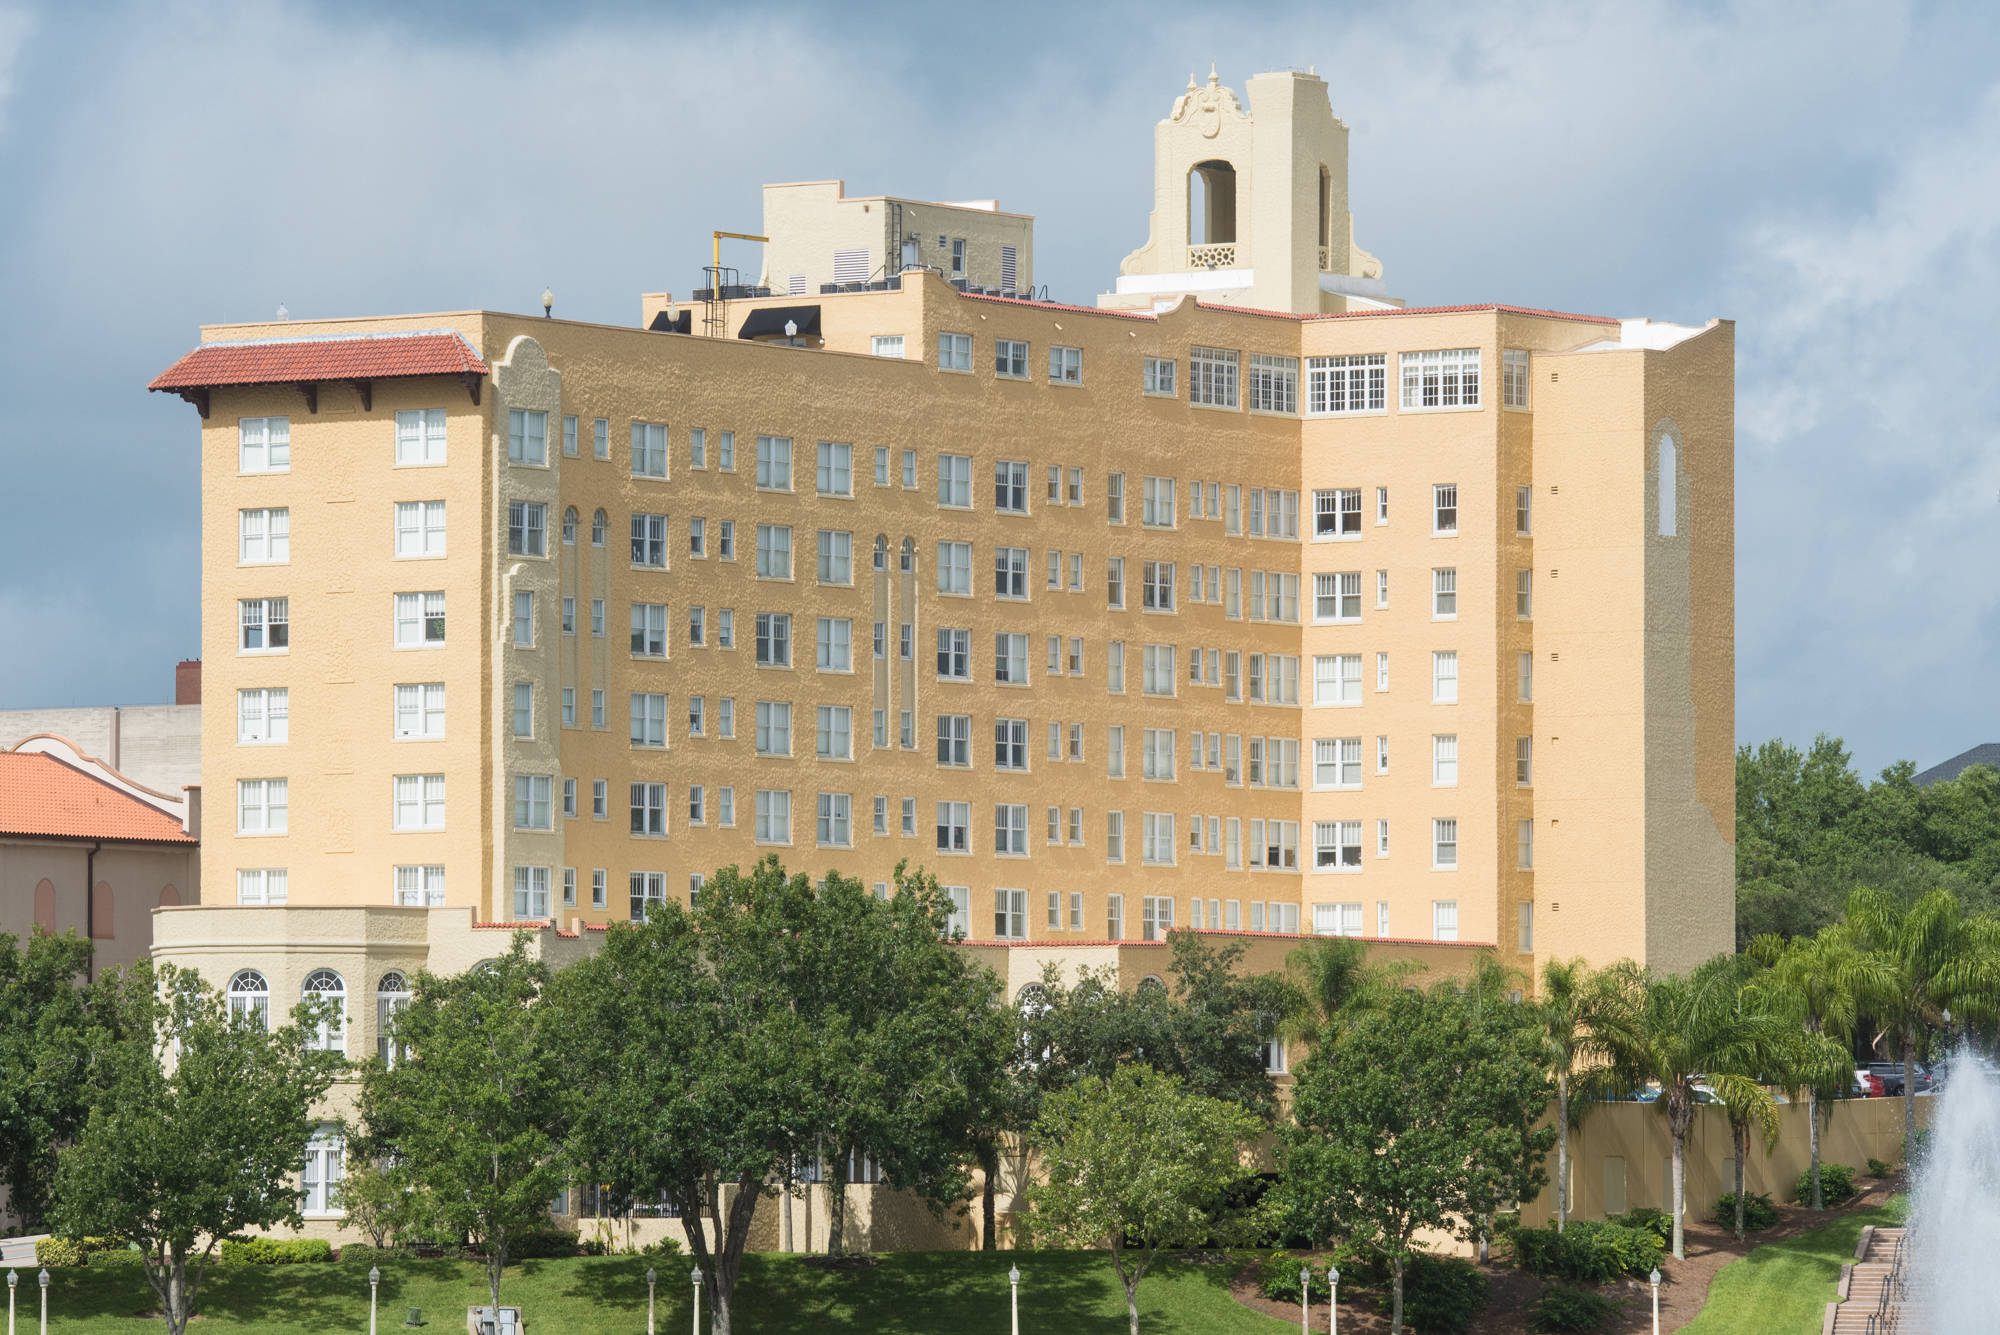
point(1250, 205)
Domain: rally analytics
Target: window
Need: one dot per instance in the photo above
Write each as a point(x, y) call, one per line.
point(1114, 582)
point(527, 523)
point(1156, 588)
point(599, 891)
point(954, 352)
point(1445, 379)
point(886, 345)
point(697, 716)
point(649, 449)
point(1381, 588)
point(263, 715)
point(419, 887)
point(1159, 677)
point(1156, 754)
point(1156, 503)
point(774, 551)
point(419, 619)
point(909, 470)
point(1524, 846)
point(954, 654)
point(1524, 761)
point(773, 816)
point(532, 804)
point(264, 445)
point(260, 806)
point(599, 526)
point(1066, 365)
point(649, 719)
point(835, 827)
point(1010, 659)
point(1381, 672)
point(1524, 594)
point(1524, 678)
point(1114, 667)
point(250, 995)
point(421, 436)
point(266, 625)
point(698, 448)
point(725, 451)
point(649, 630)
point(1514, 377)
point(774, 639)
point(835, 732)
point(260, 885)
point(1274, 383)
point(524, 620)
point(419, 801)
point(1444, 760)
point(1444, 843)
point(1354, 384)
point(1444, 920)
point(265, 536)
point(834, 648)
point(1114, 497)
point(1524, 510)
point(1444, 508)
point(1010, 829)
point(1444, 593)
point(1010, 359)
point(527, 437)
point(1669, 488)
point(1010, 487)
point(1010, 915)
point(1156, 917)
point(648, 806)
point(1444, 676)
point(419, 710)
point(1337, 596)
point(326, 1166)
point(954, 827)
point(955, 480)
point(1156, 838)
point(1010, 743)
point(836, 557)
point(1337, 762)
point(1336, 679)
point(1160, 376)
point(774, 463)
point(1010, 572)
point(958, 257)
point(834, 473)
point(697, 537)
point(1212, 377)
point(568, 615)
point(774, 728)
point(1337, 514)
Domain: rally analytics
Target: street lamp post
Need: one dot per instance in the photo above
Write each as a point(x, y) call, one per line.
point(45, 1300)
point(697, 1300)
point(374, 1287)
point(1333, 1300)
point(1655, 1278)
point(652, 1277)
point(1305, 1299)
point(1014, 1299)
point(13, 1278)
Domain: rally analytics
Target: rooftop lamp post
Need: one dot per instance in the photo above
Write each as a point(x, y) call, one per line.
point(1014, 1299)
point(697, 1300)
point(1333, 1300)
point(652, 1277)
point(1305, 1299)
point(374, 1284)
point(1655, 1278)
point(548, 301)
point(13, 1278)
point(45, 1300)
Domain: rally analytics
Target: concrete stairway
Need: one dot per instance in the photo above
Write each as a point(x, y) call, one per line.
point(1871, 1290)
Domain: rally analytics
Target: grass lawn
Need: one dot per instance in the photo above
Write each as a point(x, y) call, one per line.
point(1782, 1288)
point(937, 1293)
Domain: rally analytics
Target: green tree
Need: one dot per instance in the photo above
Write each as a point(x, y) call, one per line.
point(1920, 964)
point(198, 1126)
point(1330, 980)
point(1677, 1031)
point(1417, 1116)
point(1810, 980)
point(1567, 1014)
point(1138, 1163)
point(470, 1120)
point(45, 1018)
point(376, 1202)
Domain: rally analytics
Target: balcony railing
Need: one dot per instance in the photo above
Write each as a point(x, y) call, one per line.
point(1212, 257)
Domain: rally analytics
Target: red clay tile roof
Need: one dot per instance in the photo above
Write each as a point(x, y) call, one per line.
point(42, 796)
point(334, 357)
point(1290, 315)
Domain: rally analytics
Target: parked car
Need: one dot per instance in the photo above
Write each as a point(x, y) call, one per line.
point(1891, 1076)
point(1866, 1084)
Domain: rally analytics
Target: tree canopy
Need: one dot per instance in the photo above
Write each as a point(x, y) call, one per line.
point(45, 1054)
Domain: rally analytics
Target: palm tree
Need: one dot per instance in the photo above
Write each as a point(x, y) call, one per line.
point(1924, 966)
point(1568, 1010)
point(1812, 980)
point(1330, 977)
point(1679, 1030)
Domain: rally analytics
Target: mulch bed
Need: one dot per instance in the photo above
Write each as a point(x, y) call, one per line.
point(1683, 1290)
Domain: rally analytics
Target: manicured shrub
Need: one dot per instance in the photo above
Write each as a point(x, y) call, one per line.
point(1278, 1278)
point(1442, 1295)
point(362, 1253)
point(1836, 1185)
point(58, 1252)
point(543, 1244)
point(662, 1247)
point(1758, 1212)
point(275, 1251)
point(1658, 1222)
point(1588, 1252)
point(1876, 1168)
point(1563, 1308)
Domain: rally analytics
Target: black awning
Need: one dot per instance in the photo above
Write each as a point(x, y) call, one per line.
point(670, 324)
point(770, 321)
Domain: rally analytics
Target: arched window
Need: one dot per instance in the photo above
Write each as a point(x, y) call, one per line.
point(169, 897)
point(100, 911)
point(597, 527)
point(1211, 204)
point(325, 985)
point(1152, 986)
point(569, 527)
point(1032, 1003)
point(391, 995)
point(1325, 206)
point(881, 551)
point(45, 904)
point(250, 996)
point(909, 555)
point(1669, 489)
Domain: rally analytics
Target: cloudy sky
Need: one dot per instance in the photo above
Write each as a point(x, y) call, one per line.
point(1827, 175)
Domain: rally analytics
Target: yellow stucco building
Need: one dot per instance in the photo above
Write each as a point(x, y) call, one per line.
point(1248, 600)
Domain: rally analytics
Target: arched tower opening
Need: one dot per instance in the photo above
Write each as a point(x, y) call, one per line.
point(1211, 203)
